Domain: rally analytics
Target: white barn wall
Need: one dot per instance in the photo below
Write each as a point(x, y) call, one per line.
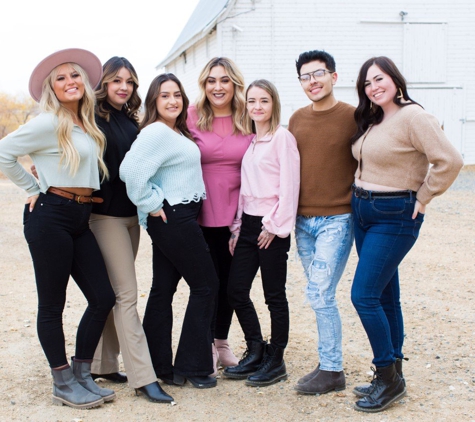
point(265, 42)
point(196, 58)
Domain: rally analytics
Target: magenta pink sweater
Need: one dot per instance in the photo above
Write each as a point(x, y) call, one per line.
point(221, 156)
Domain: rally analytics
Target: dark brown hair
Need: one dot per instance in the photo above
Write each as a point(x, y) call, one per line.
point(110, 69)
point(316, 55)
point(151, 112)
point(365, 115)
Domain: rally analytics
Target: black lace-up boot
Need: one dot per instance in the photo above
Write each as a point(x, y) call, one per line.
point(249, 363)
point(387, 388)
point(364, 390)
point(271, 370)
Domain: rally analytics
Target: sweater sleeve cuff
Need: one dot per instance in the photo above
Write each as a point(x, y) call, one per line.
point(35, 190)
point(156, 210)
point(235, 227)
point(424, 196)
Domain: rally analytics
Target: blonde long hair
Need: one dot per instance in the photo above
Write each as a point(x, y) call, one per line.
point(238, 103)
point(50, 104)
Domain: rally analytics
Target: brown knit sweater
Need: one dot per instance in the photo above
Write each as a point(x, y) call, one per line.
point(327, 166)
point(397, 153)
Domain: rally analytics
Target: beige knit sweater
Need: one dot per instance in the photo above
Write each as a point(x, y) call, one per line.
point(398, 152)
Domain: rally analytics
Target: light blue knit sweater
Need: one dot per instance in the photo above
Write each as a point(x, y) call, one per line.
point(162, 164)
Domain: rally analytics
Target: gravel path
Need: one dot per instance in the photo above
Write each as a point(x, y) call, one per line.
point(438, 299)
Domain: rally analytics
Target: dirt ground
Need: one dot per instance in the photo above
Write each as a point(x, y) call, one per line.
point(438, 297)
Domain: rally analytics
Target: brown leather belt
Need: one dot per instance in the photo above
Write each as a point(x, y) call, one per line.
point(80, 199)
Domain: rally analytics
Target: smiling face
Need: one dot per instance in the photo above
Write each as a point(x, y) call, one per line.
point(380, 88)
point(259, 105)
point(169, 103)
point(68, 86)
point(120, 89)
point(219, 91)
point(319, 90)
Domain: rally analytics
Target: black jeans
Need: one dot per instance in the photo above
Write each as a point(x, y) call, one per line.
point(217, 239)
point(180, 250)
point(273, 263)
point(62, 245)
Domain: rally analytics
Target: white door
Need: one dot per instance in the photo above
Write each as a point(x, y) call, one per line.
point(447, 106)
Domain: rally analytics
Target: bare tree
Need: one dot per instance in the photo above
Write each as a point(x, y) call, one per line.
point(15, 111)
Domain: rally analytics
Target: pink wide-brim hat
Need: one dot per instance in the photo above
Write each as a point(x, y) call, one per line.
point(87, 60)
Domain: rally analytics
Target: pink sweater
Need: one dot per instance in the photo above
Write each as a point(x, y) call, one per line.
point(270, 182)
point(221, 156)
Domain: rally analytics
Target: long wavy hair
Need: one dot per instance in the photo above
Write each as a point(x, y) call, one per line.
point(110, 70)
point(238, 103)
point(151, 112)
point(367, 114)
point(50, 104)
point(270, 88)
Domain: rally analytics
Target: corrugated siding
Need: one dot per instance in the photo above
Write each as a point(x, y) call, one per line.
point(266, 41)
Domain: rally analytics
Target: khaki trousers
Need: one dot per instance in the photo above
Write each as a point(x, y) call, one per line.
point(118, 239)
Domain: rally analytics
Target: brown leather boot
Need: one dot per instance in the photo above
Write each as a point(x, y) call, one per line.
point(309, 376)
point(323, 382)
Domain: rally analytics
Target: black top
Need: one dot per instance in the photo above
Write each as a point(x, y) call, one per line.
point(120, 131)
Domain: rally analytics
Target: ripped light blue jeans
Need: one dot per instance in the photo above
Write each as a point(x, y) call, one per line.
point(324, 244)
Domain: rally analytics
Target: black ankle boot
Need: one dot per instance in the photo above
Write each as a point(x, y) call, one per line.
point(387, 388)
point(154, 393)
point(118, 377)
point(364, 390)
point(249, 363)
point(198, 381)
point(271, 370)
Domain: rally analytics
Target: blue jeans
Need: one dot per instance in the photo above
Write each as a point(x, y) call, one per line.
point(324, 244)
point(384, 234)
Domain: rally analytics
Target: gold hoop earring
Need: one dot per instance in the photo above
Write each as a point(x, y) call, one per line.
point(370, 105)
point(400, 94)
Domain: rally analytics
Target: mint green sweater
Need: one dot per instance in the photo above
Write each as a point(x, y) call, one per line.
point(38, 139)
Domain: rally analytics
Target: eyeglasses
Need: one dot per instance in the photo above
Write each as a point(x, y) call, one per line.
point(306, 77)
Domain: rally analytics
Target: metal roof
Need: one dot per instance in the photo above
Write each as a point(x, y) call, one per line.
point(204, 16)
